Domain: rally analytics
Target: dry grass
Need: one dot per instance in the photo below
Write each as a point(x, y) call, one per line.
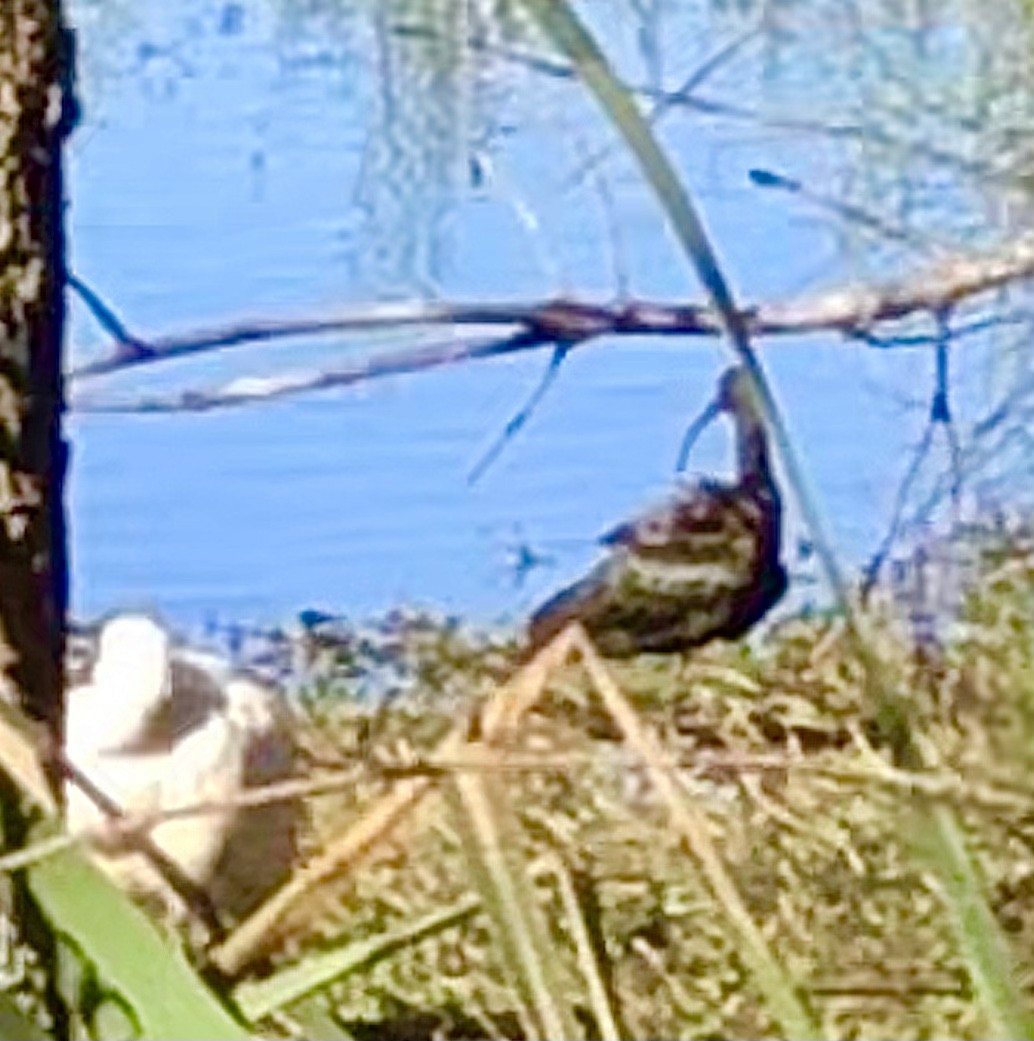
point(808, 823)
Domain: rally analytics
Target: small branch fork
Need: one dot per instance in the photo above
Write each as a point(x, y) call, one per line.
point(851, 311)
point(940, 417)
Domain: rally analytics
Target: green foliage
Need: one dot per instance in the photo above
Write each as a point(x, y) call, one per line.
point(125, 978)
point(15, 1025)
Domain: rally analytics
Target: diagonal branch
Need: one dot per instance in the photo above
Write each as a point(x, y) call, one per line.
point(517, 421)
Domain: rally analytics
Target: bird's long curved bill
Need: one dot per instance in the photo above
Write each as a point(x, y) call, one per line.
point(695, 429)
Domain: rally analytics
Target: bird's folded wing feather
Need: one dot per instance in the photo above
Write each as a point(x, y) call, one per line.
point(703, 508)
point(567, 605)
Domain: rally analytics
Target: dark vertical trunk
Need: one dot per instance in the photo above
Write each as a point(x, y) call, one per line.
point(36, 112)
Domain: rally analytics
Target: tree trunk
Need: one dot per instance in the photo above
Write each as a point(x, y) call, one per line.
point(36, 113)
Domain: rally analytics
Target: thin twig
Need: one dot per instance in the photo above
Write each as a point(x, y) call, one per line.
point(940, 417)
point(692, 99)
point(125, 826)
point(959, 332)
point(615, 229)
point(667, 102)
point(194, 898)
point(847, 211)
point(517, 421)
point(901, 497)
point(106, 317)
point(941, 412)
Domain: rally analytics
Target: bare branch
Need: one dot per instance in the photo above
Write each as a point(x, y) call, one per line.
point(516, 422)
point(240, 334)
point(940, 415)
point(852, 311)
point(663, 102)
point(901, 497)
point(688, 96)
point(847, 211)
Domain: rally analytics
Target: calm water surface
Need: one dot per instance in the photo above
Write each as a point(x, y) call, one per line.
point(214, 179)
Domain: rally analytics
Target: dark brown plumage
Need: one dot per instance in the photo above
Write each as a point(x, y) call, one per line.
point(700, 566)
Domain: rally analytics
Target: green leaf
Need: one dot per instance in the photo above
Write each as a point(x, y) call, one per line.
point(312, 1020)
point(14, 1025)
point(128, 954)
point(940, 837)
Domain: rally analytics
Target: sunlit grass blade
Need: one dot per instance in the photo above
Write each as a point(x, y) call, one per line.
point(491, 840)
point(312, 1020)
point(588, 962)
point(988, 959)
point(775, 984)
point(258, 998)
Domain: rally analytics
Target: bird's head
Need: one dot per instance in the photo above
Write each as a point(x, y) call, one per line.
point(735, 396)
point(132, 670)
point(736, 393)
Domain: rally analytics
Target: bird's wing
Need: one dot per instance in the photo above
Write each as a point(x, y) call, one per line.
point(707, 522)
point(198, 691)
point(700, 506)
point(207, 764)
point(569, 604)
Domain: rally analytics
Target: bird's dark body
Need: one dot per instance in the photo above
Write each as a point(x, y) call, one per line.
point(702, 565)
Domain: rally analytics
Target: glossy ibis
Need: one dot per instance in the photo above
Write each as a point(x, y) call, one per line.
point(702, 565)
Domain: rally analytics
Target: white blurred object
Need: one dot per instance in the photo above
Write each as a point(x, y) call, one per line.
point(159, 728)
point(131, 677)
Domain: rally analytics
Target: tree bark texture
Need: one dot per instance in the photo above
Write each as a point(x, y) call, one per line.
point(36, 113)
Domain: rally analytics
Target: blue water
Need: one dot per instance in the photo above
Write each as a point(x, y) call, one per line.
point(214, 180)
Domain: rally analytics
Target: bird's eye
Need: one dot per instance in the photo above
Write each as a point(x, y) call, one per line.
point(656, 532)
